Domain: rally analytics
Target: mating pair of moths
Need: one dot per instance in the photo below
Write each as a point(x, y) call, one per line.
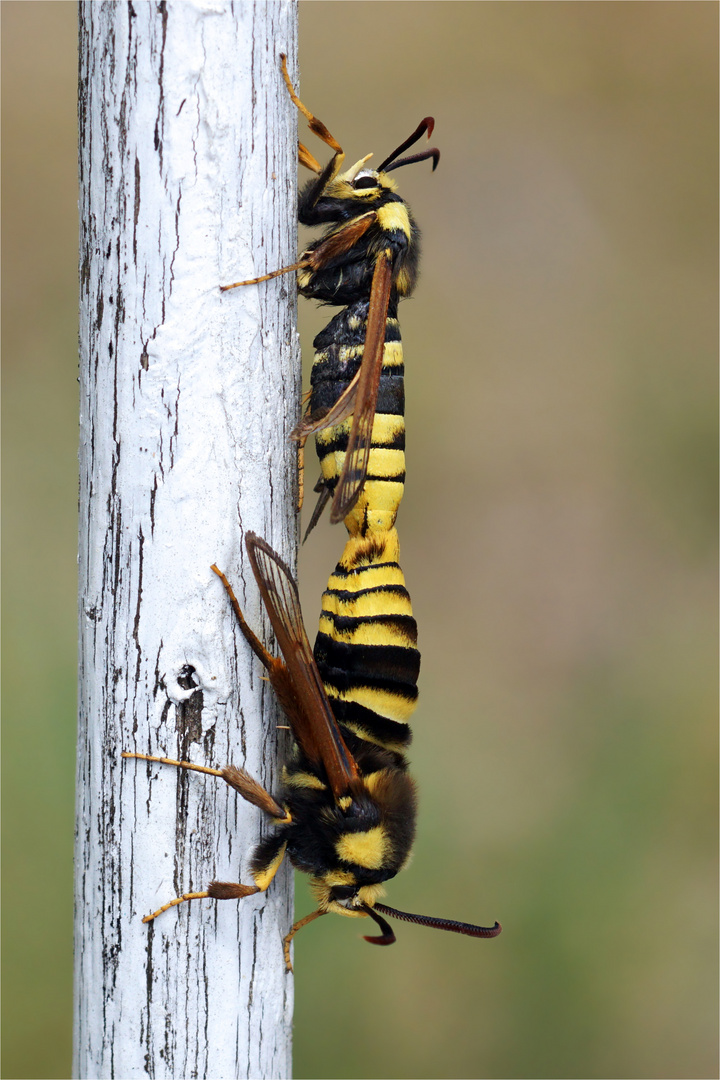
point(346, 813)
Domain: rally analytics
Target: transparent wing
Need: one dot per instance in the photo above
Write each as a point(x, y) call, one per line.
point(312, 721)
point(354, 471)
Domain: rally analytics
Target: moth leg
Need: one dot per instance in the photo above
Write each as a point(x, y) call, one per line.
point(301, 473)
point(266, 277)
point(298, 926)
point(219, 890)
point(308, 160)
point(301, 457)
point(338, 243)
point(264, 868)
point(325, 176)
point(171, 761)
point(323, 500)
point(238, 779)
point(252, 792)
point(230, 890)
point(265, 658)
point(315, 126)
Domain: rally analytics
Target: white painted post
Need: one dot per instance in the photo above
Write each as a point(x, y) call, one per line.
point(188, 395)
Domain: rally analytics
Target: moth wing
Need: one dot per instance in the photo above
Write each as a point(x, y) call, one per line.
point(338, 243)
point(343, 407)
point(323, 500)
point(311, 717)
point(342, 240)
point(357, 455)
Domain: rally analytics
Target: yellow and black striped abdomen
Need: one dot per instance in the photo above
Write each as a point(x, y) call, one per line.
point(366, 648)
point(339, 350)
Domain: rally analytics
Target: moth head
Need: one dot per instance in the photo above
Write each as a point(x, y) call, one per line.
point(340, 893)
point(361, 183)
point(370, 183)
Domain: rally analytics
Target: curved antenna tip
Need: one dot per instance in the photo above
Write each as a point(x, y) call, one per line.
point(388, 936)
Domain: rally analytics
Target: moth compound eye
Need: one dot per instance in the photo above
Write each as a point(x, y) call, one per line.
point(343, 892)
point(366, 181)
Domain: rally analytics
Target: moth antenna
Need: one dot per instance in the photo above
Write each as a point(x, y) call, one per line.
point(434, 154)
point(388, 937)
point(426, 124)
point(443, 924)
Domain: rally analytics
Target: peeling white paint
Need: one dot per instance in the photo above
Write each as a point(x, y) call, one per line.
point(187, 398)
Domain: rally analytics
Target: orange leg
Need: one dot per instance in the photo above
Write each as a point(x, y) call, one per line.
point(298, 926)
point(219, 890)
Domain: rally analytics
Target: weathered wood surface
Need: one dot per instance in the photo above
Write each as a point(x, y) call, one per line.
point(188, 395)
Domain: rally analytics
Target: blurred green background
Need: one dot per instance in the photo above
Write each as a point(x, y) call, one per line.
point(558, 532)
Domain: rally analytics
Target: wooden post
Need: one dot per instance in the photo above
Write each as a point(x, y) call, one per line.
point(187, 172)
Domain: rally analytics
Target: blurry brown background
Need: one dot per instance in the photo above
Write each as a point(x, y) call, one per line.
point(558, 536)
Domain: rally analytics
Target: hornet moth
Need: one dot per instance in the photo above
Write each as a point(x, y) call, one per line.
point(346, 814)
point(365, 261)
